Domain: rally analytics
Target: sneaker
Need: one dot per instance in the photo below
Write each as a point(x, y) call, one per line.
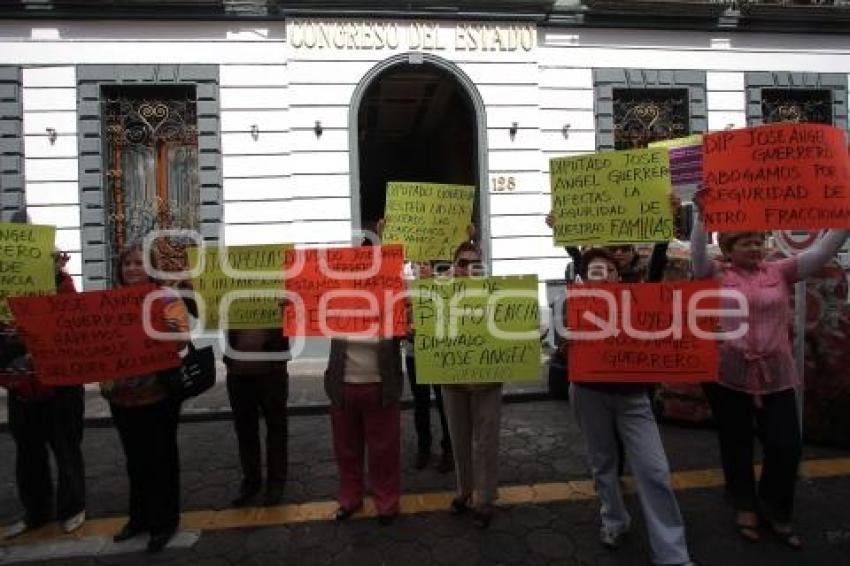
point(15, 529)
point(610, 539)
point(73, 523)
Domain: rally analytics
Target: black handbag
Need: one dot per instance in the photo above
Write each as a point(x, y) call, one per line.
point(193, 377)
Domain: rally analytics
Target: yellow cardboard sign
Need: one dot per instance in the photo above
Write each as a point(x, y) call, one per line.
point(476, 330)
point(243, 280)
point(26, 262)
point(613, 197)
point(429, 219)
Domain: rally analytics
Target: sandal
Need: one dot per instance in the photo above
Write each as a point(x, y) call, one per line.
point(747, 532)
point(787, 537)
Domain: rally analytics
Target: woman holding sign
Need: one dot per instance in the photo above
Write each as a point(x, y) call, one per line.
point(758, 376)
point(42, 418)
point(146, 418)
point(474, 415)
point(610, 413)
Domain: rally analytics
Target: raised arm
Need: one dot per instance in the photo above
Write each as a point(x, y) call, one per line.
point(657, 262)
point(703, 267)
point(816, 257)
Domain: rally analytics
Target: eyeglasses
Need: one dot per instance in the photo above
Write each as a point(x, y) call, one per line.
point(621, 249)
point(464, 262)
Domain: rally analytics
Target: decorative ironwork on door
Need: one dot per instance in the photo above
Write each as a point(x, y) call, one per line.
point(642, 116)
point(796, 105)
point(152, 165)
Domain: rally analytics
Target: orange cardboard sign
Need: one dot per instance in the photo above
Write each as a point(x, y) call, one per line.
point(93, 336)
point(642, 333)
point(345, 292)
point(776, 177)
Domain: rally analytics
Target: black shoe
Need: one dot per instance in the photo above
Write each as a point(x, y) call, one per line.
point(421, 460)
point(459, 505)
point(273, 497)
point(482, 517)
point(127, 532)
point(344, 513)
point(246, 497)
point(446, 463)
point(159, 541)
point(385, 520)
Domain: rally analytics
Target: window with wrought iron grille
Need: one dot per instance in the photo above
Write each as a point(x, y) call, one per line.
point(151, 150)
point(645, 115)
point(796, 105)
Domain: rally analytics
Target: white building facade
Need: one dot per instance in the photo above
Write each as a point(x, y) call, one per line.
point(284, 107)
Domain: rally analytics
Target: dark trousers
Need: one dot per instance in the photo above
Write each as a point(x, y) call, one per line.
point(776, 426)
point(56, 423)
point(422, 411)
point(149, 436)
point(251, 395)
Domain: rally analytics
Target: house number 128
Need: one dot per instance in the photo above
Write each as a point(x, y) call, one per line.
point(502, 183)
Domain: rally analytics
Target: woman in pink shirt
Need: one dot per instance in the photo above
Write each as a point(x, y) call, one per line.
point(755, 393)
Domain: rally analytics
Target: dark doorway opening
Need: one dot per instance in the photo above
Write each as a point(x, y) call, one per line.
point(415, 123)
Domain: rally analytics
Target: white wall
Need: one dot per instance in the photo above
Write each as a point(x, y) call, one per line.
point(290, 185)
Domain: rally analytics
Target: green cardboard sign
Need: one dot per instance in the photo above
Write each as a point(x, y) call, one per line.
point(430, 220)
point(476, 330)
point(230, 269)
point(26, 262)
point(612, 197)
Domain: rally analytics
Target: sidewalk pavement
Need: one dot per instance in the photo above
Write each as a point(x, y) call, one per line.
point(540, 444)
point(306, 394)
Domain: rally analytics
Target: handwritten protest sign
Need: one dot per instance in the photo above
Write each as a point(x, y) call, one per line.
point(240, 270)
point(614, 197)
point(685, 163)
point(780, 176)
point(644, 332)
point(92, 336)
point(26, 262)
point(345, 292)
point(476, 330)
point(430, 220)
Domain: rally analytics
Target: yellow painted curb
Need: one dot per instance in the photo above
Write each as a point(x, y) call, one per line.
point(411, 504)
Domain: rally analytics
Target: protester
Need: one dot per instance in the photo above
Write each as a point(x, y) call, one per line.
point(606, 411)
point(422, 404)
point(474, 412)
point(146, 418)
point(253, 386)
point(42, 417)
point(755, 394)
point(364, 382)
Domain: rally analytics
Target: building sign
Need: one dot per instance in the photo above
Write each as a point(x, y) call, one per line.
point(410, 36)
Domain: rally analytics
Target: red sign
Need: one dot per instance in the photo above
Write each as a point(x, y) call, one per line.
point(642, 332)
point(345, 291)
point(93, 336)
point(776, 177)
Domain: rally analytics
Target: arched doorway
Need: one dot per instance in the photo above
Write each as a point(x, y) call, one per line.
point(416, 117)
